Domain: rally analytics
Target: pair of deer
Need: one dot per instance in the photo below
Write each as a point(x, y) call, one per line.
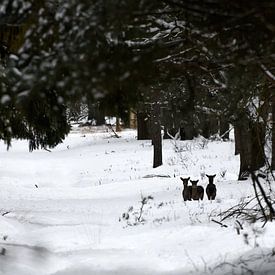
point(196, 192)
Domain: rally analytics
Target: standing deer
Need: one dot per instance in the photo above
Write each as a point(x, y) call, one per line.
point(187, 190)
point(211, 189)
point(197, 191)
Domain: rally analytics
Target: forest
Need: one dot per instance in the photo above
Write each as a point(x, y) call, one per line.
point(181, 81)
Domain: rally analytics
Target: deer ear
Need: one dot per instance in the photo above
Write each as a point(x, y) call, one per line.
point(188, 178)
point(181, 178)
point(197, 181)
point(207, 176)
point(214, 176)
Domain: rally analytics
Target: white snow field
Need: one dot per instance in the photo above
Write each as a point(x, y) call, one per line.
point(76, 210)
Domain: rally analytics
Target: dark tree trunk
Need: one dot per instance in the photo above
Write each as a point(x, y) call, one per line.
point(257, 143)
point(156, 135)
point(237, 138)
point(182, 133)
point(189, 112)
point(273, 133)
point(118, 127)
point(213, 124)
point(142, 126)
point(244, 135)
point(205, 126)
point(251, 138)
point(96, 113)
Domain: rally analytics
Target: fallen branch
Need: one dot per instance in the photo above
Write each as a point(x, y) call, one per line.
point(221, 224)
point(156, 176)
point(5, 213)
point(226, 132)
point(111, 128)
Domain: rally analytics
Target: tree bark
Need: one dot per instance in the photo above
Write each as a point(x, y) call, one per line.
point(244, 135)
point(251, 138)
point(205, 125)
point(142, 126)
point(273, 133)
point(189, 113)
point(118, 127)
point(237, 138)
point(96, 113)
point(257, 143)
point(156, 135)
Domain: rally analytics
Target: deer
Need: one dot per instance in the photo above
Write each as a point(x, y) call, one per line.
point(187, 190)
point(197, 191)
point(211, 189)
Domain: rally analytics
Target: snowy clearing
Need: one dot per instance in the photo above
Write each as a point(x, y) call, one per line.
point(76, 210)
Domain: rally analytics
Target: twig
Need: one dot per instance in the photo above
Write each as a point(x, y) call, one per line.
point(221, 224)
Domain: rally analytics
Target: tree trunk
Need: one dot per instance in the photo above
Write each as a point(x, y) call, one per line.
point(205, 125)
point(189, 112)
point(96, 113)
point(273, 133)
point(142, 126)
point(156, 135)
point(182, 133)
point(237, 138)
point(244, 135)
point(257, 143)
point(118, 127)
point(213, 124)
point(251, 138)
point(132, 120)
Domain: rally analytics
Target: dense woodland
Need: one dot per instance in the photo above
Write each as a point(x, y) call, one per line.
point(189, 67)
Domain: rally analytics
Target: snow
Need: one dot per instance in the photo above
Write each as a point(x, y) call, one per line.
point(63, 212)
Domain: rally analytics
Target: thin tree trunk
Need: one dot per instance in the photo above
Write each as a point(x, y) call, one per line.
point(118, 127)
point(237, 138)
point(213, 124)
point(205, 125)
point(132, 120)
point(190, 131)
point(156, 135)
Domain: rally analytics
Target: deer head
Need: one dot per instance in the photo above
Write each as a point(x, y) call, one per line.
point(211, 178)
point(185, 181)
point(194, 182)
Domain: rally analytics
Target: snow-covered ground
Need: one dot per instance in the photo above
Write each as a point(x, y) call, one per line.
point(77, 210)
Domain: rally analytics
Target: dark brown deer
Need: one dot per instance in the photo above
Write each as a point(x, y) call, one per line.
point(187, 190)
point(211, 189)
point(197, 191)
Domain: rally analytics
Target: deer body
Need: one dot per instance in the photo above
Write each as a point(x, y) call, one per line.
point(187, 190)
point(197, 191)
point(211, 189)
